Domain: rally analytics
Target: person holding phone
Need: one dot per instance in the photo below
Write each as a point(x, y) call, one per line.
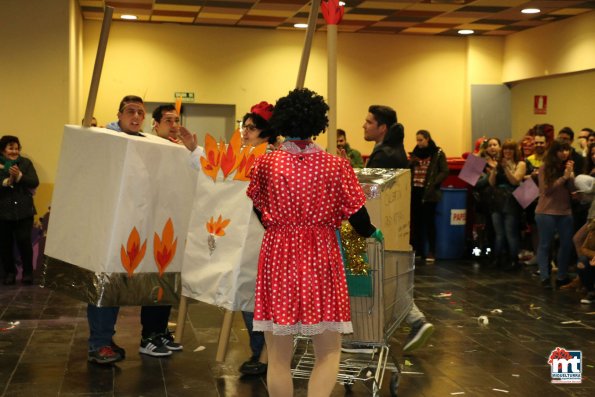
point(19, 180)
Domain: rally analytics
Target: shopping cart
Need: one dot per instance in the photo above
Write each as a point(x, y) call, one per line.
point(366, 353)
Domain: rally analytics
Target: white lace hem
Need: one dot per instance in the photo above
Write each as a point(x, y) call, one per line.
point(303, 329)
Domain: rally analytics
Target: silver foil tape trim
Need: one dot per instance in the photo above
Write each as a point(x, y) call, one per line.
point(111, 289)
point(375, 180)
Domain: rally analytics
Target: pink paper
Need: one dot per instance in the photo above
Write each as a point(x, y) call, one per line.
point(472, 169)
point(526, 193)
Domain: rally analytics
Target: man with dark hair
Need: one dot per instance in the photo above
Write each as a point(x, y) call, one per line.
point(567, 135)
point(381, 127)
point(354, 156)
point(156, 339)
point(583, 137)
point(579, 209)
point(166, 122)
point(591, 138)
point(536, 159)
point(131, 114)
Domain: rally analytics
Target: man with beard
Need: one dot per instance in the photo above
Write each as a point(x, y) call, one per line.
point(536, 159)
point(533, 163)
point(354, 156)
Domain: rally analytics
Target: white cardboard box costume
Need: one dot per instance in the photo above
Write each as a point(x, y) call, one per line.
point(119, 218)
point(225, 235)
point(388, 198)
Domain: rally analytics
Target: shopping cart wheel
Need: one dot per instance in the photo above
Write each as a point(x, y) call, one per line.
point(347, 387)
point(394, 384)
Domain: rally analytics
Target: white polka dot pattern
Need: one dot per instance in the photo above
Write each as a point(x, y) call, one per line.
point(303, 197)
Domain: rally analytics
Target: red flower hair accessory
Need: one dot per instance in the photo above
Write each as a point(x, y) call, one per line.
point(263, 109)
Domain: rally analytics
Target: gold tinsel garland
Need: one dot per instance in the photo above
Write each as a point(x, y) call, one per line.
point(354, 247)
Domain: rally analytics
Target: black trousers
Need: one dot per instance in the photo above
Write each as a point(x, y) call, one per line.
point(19, 232)
point(423, 226)
point(154, 319)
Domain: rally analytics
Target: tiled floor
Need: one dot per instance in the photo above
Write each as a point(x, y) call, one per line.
point(43, 344)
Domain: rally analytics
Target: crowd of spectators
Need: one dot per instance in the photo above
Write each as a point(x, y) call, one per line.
point(554, 231)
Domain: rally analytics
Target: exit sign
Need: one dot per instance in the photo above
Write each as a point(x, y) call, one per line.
point(186, 96)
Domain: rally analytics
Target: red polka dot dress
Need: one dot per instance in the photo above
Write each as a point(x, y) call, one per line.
point(303, 194)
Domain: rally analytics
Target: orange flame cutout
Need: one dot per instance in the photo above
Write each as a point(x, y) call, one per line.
point(217, 228)
point(132, 255)
point(210, 163)
point(164, 249)
point(248, 158)
point(230, 158)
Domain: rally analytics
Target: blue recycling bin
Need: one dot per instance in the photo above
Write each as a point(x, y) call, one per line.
point(451, 216)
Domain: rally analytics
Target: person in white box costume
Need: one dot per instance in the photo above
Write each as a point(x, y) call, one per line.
point(156, 340)
point(302, 194)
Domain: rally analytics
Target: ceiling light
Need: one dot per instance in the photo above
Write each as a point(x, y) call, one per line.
point(300, 25)
point(531, 11)
point(129, 17)
point(466, 31)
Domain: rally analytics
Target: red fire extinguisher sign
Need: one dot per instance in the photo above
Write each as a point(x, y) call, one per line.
point(540, 104)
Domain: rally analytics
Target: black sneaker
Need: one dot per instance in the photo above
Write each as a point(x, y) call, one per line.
point(168, 341)
point(419, 335)
point(253, 367)
point(547, 284)
point(153, 346)
point(104, 355)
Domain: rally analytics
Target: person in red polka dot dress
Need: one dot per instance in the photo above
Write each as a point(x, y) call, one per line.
point(301, 194)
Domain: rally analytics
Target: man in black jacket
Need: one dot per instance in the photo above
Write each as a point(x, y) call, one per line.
point(381, 127)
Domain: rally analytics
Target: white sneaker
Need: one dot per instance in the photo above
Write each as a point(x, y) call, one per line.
point(418, 336)
point(590, 298)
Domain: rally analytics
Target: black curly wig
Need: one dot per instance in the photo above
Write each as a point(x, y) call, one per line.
point(300, 114)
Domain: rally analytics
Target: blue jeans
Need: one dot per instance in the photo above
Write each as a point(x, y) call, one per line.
point(547, 225)
point(256, 338)
point(507, 233)
point(102, 324)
